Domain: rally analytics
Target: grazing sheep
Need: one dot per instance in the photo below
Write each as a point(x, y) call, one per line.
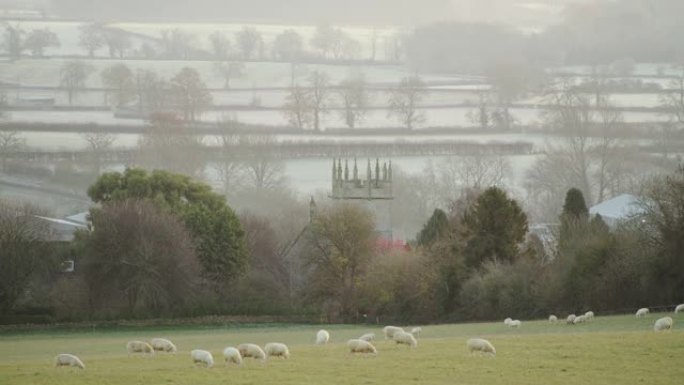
point(163, 345)
point(553, 318)
point(480, 345)
point(276, 349)
point(390, 331)
point(202, 357)
point(322, 337)
point(679, 308)
point(251, 350)
point(405, 338)
point(65, 359)
point(361, 346)
point(507, 321)
point(139, 347)
point(515, 323)
point(230, 354)
point(589, 316)
point(664, 323)
point(579, 319)
point(571, 319)
point(643, 312)
point(368, 337)
point(416, 330)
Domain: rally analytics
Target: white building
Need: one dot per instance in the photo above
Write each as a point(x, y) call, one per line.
point(617, 210)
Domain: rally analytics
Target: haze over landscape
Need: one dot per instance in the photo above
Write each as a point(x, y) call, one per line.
point(222, 162)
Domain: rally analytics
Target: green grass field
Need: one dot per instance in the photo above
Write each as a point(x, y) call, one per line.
point(611, 350)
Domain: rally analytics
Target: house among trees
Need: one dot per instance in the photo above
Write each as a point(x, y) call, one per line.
point(618, 210)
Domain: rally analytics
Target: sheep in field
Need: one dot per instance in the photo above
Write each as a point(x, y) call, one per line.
point(664, 323)
point(361, 346)
point(322, 337)
point(643, 312)
point(163, 345)
point(368, 337)
point(405, 338)
point(515, 323)
point(275, 349)
point(679, 308)
point(65, 359)
point(579, 319)
point(389, 331)
point(571, 319)
point(202, 357)
point(251, 350)
point(507, 321)
point(480, 345)
point(589, 316)
point(139, 347)
point(416, 330)
point(553, 318)
point(230, 354)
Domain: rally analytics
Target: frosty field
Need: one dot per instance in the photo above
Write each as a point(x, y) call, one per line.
point(611, 350)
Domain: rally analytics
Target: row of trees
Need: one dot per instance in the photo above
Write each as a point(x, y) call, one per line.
point(36, 41)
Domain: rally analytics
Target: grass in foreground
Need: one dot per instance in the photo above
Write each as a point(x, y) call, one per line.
point(612, 350)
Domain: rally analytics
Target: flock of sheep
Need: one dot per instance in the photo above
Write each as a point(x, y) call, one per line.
point(363, 344)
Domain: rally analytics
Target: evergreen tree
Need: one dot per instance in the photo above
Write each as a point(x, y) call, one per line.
point(435, 228)
point(575, 205)
point(495, 226)
point(574, 219)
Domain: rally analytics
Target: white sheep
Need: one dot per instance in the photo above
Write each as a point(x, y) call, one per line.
point(643, 312)
point(368, 337)
point(553, 318)
point(202, 357)
point(589, 316)
point(515, 323)
point(65, 359)
point(139, 347)
point(389, 331)
point(480, 345)
point(571, 319)
point(405, 338)
point(361, 346)
point(164, 345)
point(251, 350)
point(579, 319)
point(322, 337)
point(416, 330)
point(276, 349)
point(230, 354)
point(507, 321)
point(664, 323)
point(679, 308)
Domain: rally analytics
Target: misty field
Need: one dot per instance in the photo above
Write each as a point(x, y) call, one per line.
point(611, 350)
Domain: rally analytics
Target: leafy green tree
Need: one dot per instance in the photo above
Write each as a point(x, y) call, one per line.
point(216, 230)
point(138, 260)
point(435, 228)
point(495, 225)
point(342, 242)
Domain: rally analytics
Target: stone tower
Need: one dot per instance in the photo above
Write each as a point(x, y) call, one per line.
point(372, 190)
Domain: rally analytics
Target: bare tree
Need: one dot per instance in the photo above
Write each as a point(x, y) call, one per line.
point(229, 166)
point(151, 91)
point(477, 171)
point(319, 84)
point(229, 71)
point(288, 46)
point(177, 43)
point(249, 40)
point(10, 142)
point(119, 78)
point(673, 102)
point(118, 42)
point(40, 39)
point(73, 77)
point(262, 170)
point(91, 38)
point(404, 100)
point(99, 142)
point(14, 41)
point(297, 107)
point(482, 115)
point(220, 45)
point(326, 39)
point(190, 93)
point(354, 95)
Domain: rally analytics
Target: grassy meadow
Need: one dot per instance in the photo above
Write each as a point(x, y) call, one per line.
point(610, 350)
